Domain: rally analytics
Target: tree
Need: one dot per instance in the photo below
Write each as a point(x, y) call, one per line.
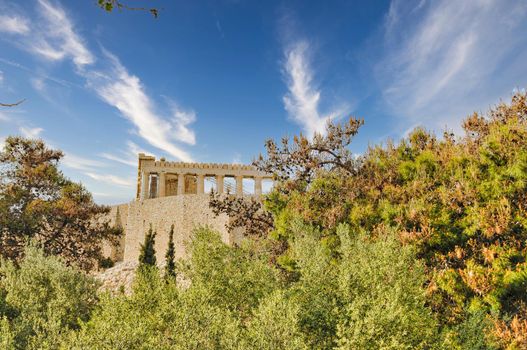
point(293, 167)
point(170, 267)
point(38, 202)
point(300, 162)
point(147, 257)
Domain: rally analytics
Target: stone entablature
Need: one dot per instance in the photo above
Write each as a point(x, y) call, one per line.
point(159, 178)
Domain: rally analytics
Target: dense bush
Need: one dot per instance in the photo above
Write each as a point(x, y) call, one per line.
point(235, 300)
point(42, 300)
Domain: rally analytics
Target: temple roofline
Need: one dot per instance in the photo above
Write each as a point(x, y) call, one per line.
point(152, 177)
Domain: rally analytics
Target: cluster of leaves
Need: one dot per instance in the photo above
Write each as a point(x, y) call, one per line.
point(41, 300)
point(110, 5)
point(461, 202)
point(37, 202)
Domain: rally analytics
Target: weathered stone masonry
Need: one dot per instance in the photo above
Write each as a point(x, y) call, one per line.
point(174, 193)
point(157, 179)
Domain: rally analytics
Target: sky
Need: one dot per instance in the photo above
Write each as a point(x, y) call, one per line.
point(210, 81)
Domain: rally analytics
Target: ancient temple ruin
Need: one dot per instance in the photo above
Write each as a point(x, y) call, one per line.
point(159, 178)
point(175, 193)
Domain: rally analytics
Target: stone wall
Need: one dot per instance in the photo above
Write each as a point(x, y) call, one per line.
point(186, 212)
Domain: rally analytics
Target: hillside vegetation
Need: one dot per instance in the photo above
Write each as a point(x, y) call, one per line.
point(419, 244)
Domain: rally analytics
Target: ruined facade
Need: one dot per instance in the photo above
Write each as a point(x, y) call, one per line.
point(156, 179)
point(175, 193)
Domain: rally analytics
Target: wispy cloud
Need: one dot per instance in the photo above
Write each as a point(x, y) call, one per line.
point(53, 37)
point(58, 39)
point(76, 162)
point(14, 24)
point(94, 170)
point(112, 179)
point(181, 120)
point(443, 59)
point(128, 157)
point(302, 101)
point(31, 133)
point(125, 92)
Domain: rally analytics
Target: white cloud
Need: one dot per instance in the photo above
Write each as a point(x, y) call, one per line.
point(14, 24)
point(1, 77)
point(181, 121)
point(125, 92)
point(91, 168)
point(112, 179)
point(31, 133)
point(123, 160)
point(444, 59)
point(57, 38)
point(129, 157)
point(76, 162)
point(303, 98)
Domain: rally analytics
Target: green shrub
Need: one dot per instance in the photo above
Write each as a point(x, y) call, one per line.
point(43, 300)
point(276, 325)
point(382, 296)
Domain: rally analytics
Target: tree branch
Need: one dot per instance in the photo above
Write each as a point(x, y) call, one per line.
point(11, 104)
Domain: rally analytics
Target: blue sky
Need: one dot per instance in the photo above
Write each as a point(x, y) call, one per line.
point(209, 81)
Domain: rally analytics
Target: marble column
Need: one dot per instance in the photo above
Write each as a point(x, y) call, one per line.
point(219, 184)
point(145, 183)
point(200, 186)
point(181, 184)
point(239, 185)
point(258, 186)
point(162, 184)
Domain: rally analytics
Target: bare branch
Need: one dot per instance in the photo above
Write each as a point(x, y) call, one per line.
point(248, 213)
point(300, 160)
point(11, 104)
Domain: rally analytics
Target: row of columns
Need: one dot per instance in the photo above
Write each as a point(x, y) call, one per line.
point(200, 179)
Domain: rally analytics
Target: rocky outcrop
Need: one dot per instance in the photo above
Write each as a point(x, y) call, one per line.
point(118, 279)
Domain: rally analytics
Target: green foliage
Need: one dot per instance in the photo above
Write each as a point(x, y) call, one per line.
point(42, 301)
point(170, 267)
point(147, 255)
point(225, 285)
point(275, 325)
point(469, 334)
point(381, 285)
point(420, 245)
point(231, 278)
point(110, 5)
point(460, 202)
point(37, 202)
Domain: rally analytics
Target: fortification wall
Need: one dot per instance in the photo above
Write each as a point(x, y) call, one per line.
point(186, 212)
